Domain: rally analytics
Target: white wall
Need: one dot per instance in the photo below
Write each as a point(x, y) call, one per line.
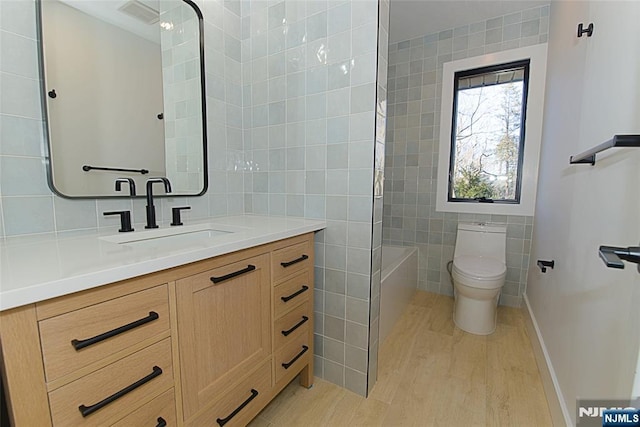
point(107, 103)
point(588, 314)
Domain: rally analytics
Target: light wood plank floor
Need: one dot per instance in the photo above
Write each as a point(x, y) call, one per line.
point(430, 374)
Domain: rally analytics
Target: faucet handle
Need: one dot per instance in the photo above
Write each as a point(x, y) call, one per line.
point(176, 214)
point(125, 220)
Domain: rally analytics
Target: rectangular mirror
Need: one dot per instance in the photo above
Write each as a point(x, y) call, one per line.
point(123, 95)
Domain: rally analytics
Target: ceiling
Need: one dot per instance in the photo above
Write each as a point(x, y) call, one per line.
point(107, 11)
point(412, 18)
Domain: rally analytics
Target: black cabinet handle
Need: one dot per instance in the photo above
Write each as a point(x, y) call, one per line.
point(298, 356)
point(234, 274)
point(296, 326)
point(295, 261)
point(295, 294)
point(223, 421)
point(88, 410)
point(80, 344)
point(161, 422)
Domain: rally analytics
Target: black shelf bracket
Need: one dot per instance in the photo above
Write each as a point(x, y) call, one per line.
point(613, 256)
point(589, 157)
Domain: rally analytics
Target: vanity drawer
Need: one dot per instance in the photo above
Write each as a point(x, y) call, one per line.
point(290, 259)
point(101, 330)
point(241, 403)
point(292, 324)
point(160, 411)
point(292, 293)
point(293, 356)
point(125, 384)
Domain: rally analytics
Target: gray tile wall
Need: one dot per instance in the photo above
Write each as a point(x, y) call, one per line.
point(309, 99)
point(27, 205)
point(291, 103)
point(415, 85)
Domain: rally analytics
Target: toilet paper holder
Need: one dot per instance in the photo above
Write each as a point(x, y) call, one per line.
point(544, 264)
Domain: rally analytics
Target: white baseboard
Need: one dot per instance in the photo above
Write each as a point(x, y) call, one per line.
point(557, 407)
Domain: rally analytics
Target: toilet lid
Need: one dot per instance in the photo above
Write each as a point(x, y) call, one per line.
point(480, 267)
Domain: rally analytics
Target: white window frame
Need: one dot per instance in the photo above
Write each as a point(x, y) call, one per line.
point(537, 54)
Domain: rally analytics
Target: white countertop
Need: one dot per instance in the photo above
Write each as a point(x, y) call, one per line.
point(39, 267)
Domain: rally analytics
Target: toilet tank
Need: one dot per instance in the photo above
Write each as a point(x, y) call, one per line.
point(480, 239)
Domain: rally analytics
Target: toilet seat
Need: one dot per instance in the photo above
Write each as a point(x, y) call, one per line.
point(479, 270)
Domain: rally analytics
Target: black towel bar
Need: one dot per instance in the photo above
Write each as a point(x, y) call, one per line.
point(87, 168)
point(589, 157)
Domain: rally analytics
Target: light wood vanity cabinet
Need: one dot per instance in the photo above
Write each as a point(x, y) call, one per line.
point(204, 344)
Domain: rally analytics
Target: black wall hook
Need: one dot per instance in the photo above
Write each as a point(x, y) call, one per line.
point(588, 31)
point(52, 93)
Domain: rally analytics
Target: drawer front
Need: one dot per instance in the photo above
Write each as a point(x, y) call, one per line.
point(136, 317)
point(241, 403)
point(291, 324)
point(293, 357)
point(160, 411)
point(292, 293)
point(289, 260)
point(150, 369)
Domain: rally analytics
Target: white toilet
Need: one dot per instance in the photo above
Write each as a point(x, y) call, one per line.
point(478, 272)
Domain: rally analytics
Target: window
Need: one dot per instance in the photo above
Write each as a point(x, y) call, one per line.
point(490, 132)
point(489, 110)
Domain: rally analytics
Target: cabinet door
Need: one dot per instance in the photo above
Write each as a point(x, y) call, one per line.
point(224, 328)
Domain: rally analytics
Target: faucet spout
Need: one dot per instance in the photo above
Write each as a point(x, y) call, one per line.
point(151, 209)
point(130, 181)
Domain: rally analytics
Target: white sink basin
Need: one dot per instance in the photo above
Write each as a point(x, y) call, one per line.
point(181, 235)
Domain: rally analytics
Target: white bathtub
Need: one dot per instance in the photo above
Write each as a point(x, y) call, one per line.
point(399, 281)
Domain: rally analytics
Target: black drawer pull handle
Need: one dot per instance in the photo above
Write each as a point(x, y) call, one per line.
point(223, 421)
point(80, 344)
point(295, 261)
point(161, 422)
point(296, 326)
point(88, 410)
point(295, 294)
point(234, 274)
point(298, 356)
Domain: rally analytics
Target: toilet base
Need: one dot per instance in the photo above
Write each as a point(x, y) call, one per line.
point(476, 316)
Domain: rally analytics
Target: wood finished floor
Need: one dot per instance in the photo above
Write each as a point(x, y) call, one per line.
point(430, 374)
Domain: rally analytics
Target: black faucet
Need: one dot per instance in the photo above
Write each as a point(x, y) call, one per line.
point(130, 181)
point(151, 209)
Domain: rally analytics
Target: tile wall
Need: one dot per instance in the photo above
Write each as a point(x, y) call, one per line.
point(413, 127)
point(309, 99)
point(291, 117)
point(28, 206)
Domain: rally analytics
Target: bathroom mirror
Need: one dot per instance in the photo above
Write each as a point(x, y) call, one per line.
point(123, 95)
